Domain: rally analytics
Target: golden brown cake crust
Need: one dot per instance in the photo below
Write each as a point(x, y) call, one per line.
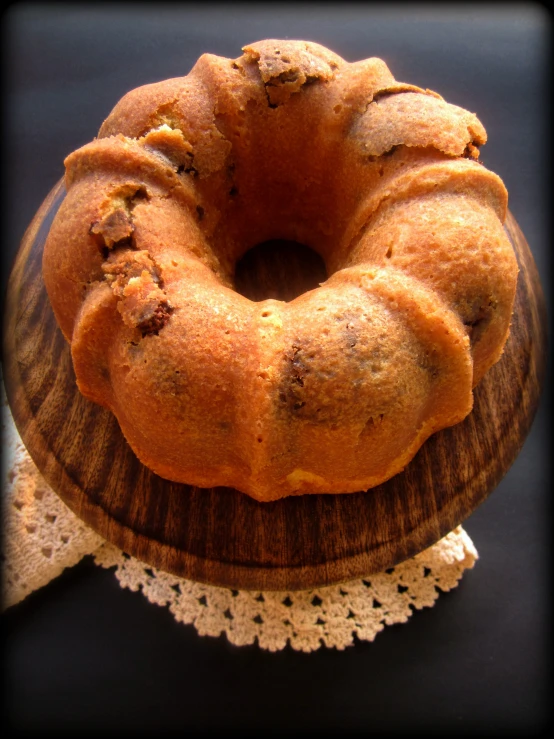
point(335, 391)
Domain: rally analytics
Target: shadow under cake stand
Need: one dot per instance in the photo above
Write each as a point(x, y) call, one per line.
point(221, 536)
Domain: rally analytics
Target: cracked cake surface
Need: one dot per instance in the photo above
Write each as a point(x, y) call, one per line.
point(335, 391)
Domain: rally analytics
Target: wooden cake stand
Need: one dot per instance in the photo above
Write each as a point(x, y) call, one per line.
point(221, 536)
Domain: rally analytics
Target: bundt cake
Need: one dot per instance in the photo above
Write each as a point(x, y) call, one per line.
point(335, 391)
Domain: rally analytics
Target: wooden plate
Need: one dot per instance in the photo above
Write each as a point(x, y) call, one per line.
point(221, 536)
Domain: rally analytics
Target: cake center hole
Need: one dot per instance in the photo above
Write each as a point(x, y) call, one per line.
point(277, 269)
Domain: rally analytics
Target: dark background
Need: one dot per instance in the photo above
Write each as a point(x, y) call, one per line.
point(84, 654)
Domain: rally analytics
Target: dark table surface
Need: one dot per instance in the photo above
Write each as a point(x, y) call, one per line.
point(84, 654)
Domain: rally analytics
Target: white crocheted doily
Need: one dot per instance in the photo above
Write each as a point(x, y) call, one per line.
point(42, 537)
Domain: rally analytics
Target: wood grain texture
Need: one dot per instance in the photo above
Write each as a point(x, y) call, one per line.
point(221, 536)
